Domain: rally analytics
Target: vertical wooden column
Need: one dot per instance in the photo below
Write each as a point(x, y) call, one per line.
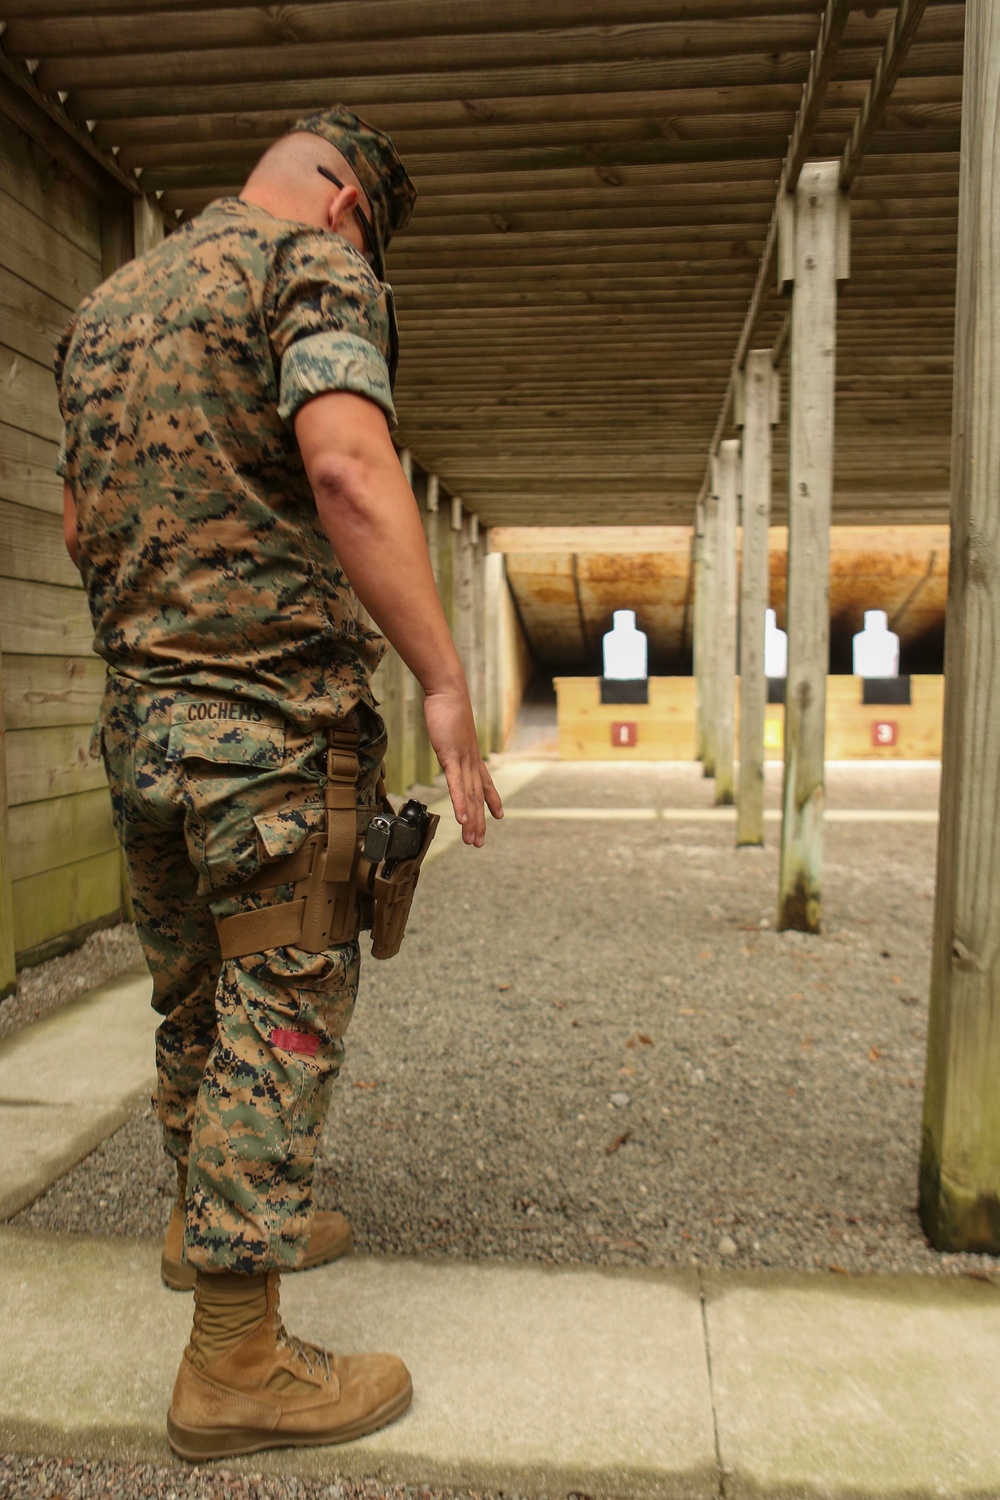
point(117, 230)
point(960, 1158)
point(493, 616)
point(812, 232)
point(424, 759)
point(428, 766)
point(727, 488)
point(147, 223)
point(8, 968)
point(409, 688)
point(697, 627)
point(477, 681)
point(758, 411)
point(709, 630)
point(463, 624)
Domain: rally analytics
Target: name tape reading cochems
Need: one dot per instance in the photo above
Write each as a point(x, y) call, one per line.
point(221, 710)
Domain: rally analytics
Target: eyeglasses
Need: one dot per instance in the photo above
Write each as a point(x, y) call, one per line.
point(367, 232)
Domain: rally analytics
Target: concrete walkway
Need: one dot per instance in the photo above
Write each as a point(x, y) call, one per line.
point(605, 1383)
point(70, 1080)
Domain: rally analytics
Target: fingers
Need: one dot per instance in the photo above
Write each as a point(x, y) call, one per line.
point(493, 801)
point(472, 790)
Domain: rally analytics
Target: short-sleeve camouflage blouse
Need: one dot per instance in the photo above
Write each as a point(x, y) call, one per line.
point(200, 547)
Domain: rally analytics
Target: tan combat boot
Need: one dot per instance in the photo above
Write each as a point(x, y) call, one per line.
point(331, 1237)
point(245, 1384)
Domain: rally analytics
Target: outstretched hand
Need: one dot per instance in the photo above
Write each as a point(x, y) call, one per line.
point(452, 730)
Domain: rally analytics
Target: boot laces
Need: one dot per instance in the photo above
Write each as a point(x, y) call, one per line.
point(312, 1356)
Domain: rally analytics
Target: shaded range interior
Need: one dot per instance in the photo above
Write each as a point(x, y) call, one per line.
point(565, 598)
point(595, 183)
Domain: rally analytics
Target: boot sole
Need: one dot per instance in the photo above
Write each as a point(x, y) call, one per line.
point(180, 1277)
point(196, 1443)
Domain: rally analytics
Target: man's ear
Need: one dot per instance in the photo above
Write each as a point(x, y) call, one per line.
point(340, 205)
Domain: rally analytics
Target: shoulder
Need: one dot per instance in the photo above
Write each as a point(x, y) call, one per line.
point(315, 257)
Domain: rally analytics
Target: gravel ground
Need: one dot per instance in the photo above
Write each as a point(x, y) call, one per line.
point(47, 986)
point(65, 1479)
point(849, 784)
point(593, 1048)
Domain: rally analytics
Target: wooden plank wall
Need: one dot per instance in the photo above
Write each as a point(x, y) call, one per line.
point(62, 857)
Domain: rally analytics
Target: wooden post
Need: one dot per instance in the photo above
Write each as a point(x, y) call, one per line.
point(431, 518)
point(960, 1159)
point(8, 967)
point(757, 411)
point(148, 228)
point(812, 233)
point(463, 625)
point(727, 487)
point(477, 682)
point(117, 231)
point(493, 617)
point(698, 627)
point(409, 690)
point(709, 628)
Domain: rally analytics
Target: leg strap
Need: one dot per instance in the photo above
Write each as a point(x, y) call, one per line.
point(325, 910)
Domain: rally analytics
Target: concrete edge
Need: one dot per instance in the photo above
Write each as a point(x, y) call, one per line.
point(901, 1287)
point(32, 1031)
point(85, 1139)
point(139, 1444)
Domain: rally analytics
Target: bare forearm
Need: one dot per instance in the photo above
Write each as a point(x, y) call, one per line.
point(374, 527)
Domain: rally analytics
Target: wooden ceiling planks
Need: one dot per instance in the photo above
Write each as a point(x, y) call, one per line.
point(596, 186)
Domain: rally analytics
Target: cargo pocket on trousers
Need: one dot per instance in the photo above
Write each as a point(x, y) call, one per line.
point(228, 768)
point(311, 994)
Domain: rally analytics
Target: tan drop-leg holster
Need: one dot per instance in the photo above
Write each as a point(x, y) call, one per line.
point(338, 893)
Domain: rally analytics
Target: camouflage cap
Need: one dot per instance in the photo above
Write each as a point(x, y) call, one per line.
point(376, 165)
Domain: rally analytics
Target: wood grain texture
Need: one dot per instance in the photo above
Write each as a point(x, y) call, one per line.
point(960, 1159)
point(31, 320)
point(812, 359)
point(726, 485)
point(8, 947)
point(45, 188)
point(42, 619)
point(758, 414)
point(42, 691)
point(28, 469)
point(42, 833)
point(60, 901)
point(708, 656)
point(53, 762)
point(41, 256)
point(32, 547)
point(28, 396)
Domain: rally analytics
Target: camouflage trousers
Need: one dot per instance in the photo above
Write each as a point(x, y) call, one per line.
point(205, 790)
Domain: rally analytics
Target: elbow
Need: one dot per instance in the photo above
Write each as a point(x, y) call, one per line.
point(344, 489)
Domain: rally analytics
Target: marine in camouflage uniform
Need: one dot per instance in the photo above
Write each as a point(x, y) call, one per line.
point(233, 644)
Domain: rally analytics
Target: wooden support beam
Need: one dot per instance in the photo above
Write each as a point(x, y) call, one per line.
point(757, 412)
point(117, 231)
point(866, 123)
point(148, 228)
point(8, 966)
point(960, 1159)
point(869, 117)
point(810, 262)
point(709, 614)
point(821, 65)
point(494, 583)
point(698, 627)
point(478, 677)
point(47, 123)
point(727, 488)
